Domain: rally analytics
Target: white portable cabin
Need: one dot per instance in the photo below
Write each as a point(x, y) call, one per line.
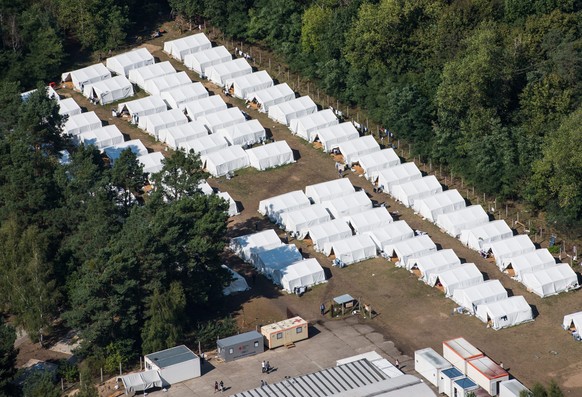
point(326, 233)
point(135, 145)
point(271, 155)
point(82, 122)
point(470, 297)
point(226, 160)
point(458, 351)
point(285, 332)
point(304, 273)
point(204, 145)
point(152, 162)
point(101, 137)
point(433, 264)
point(247, 133)
point(323, 191)
point(366, 221)
point(245, 246)
point(353, 149)
point(353, 249)
point(511, 388)
point(110, 90)
point(505, 250)
point(238, 283)
point(200, 61)
point(69, 107)
point(505, 313)
point(374, 162)
point(551, 281)
point(179, 48)
point(441, 203)
point(408, 192)
point(274, 95)
point(222, 119)
point(447, 378)
point(88, 75)
point(232, 207)
point(487, 374)
point(243, 86)
point(141, 75)
point(479, 238)
point(157, 85)
point(143, 106)
point(156, 122)
point(272, 261)
point(174, 365)
point(178, 97)
point(390, 177)
point(331, 137)
point(304, 126)
point(204, 106)
point(385, 236)
point(295, 108)
point(429, 364)
point(531, 262)
point(406, 250)
point(573, 322)
point(463, 276)
point(348, 204)
point(299, 221)
point(176, 135)
point(273, 207)
point(455, 222)
point(463, 386)
point(134, 59)
point(220, 73)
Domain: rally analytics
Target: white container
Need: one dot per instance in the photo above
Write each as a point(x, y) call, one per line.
point(446, 379)
point(458, 351)
point(429, 364)
point(487, 374)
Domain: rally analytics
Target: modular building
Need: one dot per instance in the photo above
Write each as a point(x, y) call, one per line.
point(511, 388)
point(458, 351)
point(487, 373)
point(463, 386)
point(174, 365)
point(285, 332)
point(241, 345)
point(446, 379)
point(429, 364)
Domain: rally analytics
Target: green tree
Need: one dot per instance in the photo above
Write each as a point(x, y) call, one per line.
point(41, 384)
point(179, 177)
point(127, 175)
point(7, 355)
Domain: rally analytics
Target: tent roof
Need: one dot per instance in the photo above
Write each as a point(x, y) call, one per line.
point(378, 160)
point(128, 59)
point(351, 244)
point(303, 269)
point(69, 106)
point(238, 283)
point(203, 106)
point(413, 246)
point(274, 206)
point(183, 132)
point(160, 120)
point(152, 162)
point(184, 93)
point(304, 215)
point(273, 93)
point(270, 150)
point(347, 204)
point(251, 128)
point(145, 73)
point(352, 149)
point(439, 200)
point(487, 232)
point(398, 174)
point(245, 245)
point(112, 84)
point(207, 56)
point(228, 154)
point(314, 120)
point(504, 250)
point(206, 144)
point(141, 381)
point(466, 218)
point(435, 260)
point(293, 106)
point(157, 85)
point(100, 135)
point(250, 80)
point(389, 233)
point(533, 260)
point(187, 44)
point(361, 221)
point(153, 103)
point(328, 190)
point(136, 146)
point(576, 318)
point(97, 71)
point(561, 275)
point(77, 121)
point(228, 67)
point(458, 274)
point(331, 137)
point(410, 191)
point(221, 118)
point(333, 227)
point(487, 289)
point(277, 258)
point(232, 207)
point(504, 307)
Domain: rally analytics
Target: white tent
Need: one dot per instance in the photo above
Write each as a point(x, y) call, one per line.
point(152, 162)
point(374, 162)
point(406, 250)
point(238, 283)
point(141, 381)
point(416, 189)
point(243, 86)
point(353, 149)
point(247, 133)
point(489, 291)
point(328, 190)
point(141, 75)
point(348, 204)
point(205, 188)
point(305, 273)
point(174, 136)
point(505, 313)
point(331, 137)
point(390, 177)
point(135, 145)
point(391, 233)
point(466, 218)
point(245, 246)
point(81, 122)
point(273, 207)
point(89, 75)
point(50, 92)
point(222, 119)
point(157, 85)
point(505, 250)
point(270, 155)
point(531, 262)
point(480, 237)
point(511, 388)
point(369, 220)
point(205, 144)
point(202, 60)
point(232, 207)
point(204, 106)
point(441, 203)
point(551, 281)
point(101, 137)
point(299, 221)
point(68, 107)
point(110, 90)
point(183, 46)
point(434, 263)
point(573, 320)
point(123, 63)
point(226, 160)
point(274, 95)
point(143, 106)
point(304, 126)
point(269, 261)
point(328, 232)
point(156, 122)
point(178, 97)
point(458, 277)
point(295, 108)
point(353, 249)
point(220, 73)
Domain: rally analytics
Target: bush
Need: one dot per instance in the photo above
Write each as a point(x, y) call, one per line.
point(209, 332)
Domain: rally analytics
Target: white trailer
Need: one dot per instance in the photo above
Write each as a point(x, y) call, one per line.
point(429, 364)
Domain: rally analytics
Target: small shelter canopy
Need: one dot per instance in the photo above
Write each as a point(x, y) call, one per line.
point(200, 61)
point(505, 313)
point(243, 86)
point(183, 46)
point(466, 218)
point(353, 149)
point(323, 191)
point(226, 160)
point(390, 177)
point(416, 189)
point(110, 90)
point(441, 203)
point(331, 137)
point(134, 59)
point(247, 133)
point(274, 95)
point(374, 162)
point(273, 207)
point(304, 126)
point(157, 85)
point(295, 108)
point(272, 155)
point(177, 97)
point(480, 237)
point(141, 75)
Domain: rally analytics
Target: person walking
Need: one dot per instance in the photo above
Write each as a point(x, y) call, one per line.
point(267, 367)
point(263, 366)
point(221, 384)
point(397, 364)
point(215, 386)
point(322, 309)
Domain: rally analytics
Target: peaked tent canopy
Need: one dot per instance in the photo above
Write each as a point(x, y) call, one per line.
point(222, 119)
point(247, 133)
point(331, 137)
point(304, 126)
point(328, 232)
point(323, 191)
point(68, 107)
point(348, 204)
point(226, 160)
point(135, 145)
point(245, 246)
point(505, 313)
point(271, 96)
point(441, 203)
point(489, 291)
point(271, 155)
point(274, 207)
point(141, 75)
point(353, 149)
point(143, 106)
point(304, 273)
point(200, 61)
point(434, 263)
point(387, 235)
point(505, 250)
point(416, 189)
point(299, 221)
point(457, 277)
point(179, 48)
point(101, 137)
point(295, 108)
point(141, 381)
point(123, 63)
point(220, 73)
point(390, 177)
point(156, 122)
point(204, 106)
point(532, 261)
point(232, 207)
point(177, 97)
point(406, 250)
point(152, 162)
point(174, 136)
point(238, 283)
point(573, 321)
point(110, 90)
point(243, 86)
point(551, 281)
point(369, 220)
point(269, 261)
point(480, 237)
point(374, 162)
point(82, 122)
point(205, 144)
point(89, 75)
point(467, 218)
point(353, 249)
point(157, 85)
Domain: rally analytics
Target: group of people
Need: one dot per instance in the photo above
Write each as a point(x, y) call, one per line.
point(241, 54)
point(265, 367)
point(218, 386)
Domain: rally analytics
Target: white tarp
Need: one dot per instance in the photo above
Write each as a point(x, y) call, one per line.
point(390, 177)
point(276, 259)
point(143, 106)
point(327, 190)
point(178, 97)
point(183, 46)
point(295, 108)
point(299, 221)
point(82, 122)
point(328, 232)
point(226, 160)
point(304, 126)
point(480, 238)
point(135, 145)
point(434, 263)
point(406, 250)
point(573, 320)
point(531, 262)
point(134, 59)
point(232, 207)
point(247, 133)
point(505, 313)
point(348, 204)
point(369, 220)
point(274, 95)
point(152, 162)
point(373, 163)
point(489, 291)
point(141, 75)
point(220, 73)
point(273, 207)
point(205, 144)
point(505, 250)
point(551, 281)
point(245, 85)
point(68, 107)
point(204, 106)
point(245, 246)
point(159, 121)
point(441, 203)
point(157, 85)
point(110, 90)
point(408, 192)
point(101, 137)
point(331, 137)
point(271, 155)
point(467, 218)
point(90, 74)
point(141, 381)
point(304, 273)
point(458, 277)
point(352, 249)
point(222, 119)
point(201, 60)
point(174, 136)
point(387, 235)
point(353, 149)
point(238, 283)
